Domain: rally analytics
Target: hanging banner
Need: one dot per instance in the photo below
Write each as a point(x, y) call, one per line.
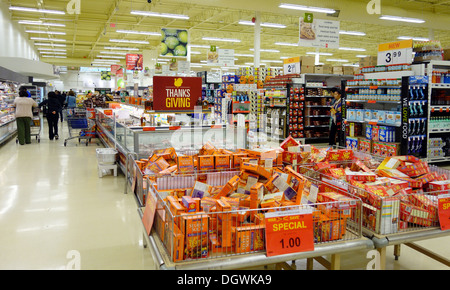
point(116, 70)
point(226, 57)
point(399, 52)
point(318, 32)
point(212, 57)
point(174, 42)
point(176, 93)
point(134, 61)
point(105, 75)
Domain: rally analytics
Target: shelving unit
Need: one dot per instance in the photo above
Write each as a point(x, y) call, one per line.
point(8, 127)
point(439, 113)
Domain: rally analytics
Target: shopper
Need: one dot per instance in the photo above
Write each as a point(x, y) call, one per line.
point(336, 117)
point(71, 100)
point(24, 113)
point(62, 100)
point(54, 108)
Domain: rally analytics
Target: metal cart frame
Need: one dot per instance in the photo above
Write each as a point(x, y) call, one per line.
point(77, 119)
point(35, 125)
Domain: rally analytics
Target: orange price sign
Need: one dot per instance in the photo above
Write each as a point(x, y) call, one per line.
point(289, 232)
point(444, 211)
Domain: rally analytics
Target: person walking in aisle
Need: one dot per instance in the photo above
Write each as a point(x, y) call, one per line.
point(24, 113)
point(62, 100)
point(71, 100)
point(54, 108)
point(336, 117)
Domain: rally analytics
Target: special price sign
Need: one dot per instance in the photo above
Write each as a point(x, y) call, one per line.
point(444, 211)
point(289, 232)
point(176, 93)
point(399, 52)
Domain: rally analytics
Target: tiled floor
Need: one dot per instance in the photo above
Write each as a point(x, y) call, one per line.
point(52, 202)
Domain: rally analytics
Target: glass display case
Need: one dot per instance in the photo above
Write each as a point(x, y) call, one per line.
point(8, 126)
point(126, 137)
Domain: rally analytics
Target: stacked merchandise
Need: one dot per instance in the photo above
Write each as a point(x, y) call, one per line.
point(259, 75)
point(427, 50)
point(296, 105)
point(398, 194)
point(229, 219)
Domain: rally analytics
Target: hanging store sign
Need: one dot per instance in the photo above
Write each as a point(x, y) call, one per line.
point(134, 61)
point(176, 93)
point(212, 56)
point(174, 42)
point(116, 70)
point(318, 32)
point(291, 65)
point(399, 52)
point(289, 232)
point(226, 57)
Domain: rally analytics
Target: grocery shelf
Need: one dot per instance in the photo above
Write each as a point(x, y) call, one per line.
point(440, 86)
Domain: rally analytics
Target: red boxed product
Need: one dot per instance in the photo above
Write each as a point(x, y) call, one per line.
point(289, 142)
point(439, 186)
point(339, 155)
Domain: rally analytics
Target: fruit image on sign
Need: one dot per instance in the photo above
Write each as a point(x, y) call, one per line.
point(174, 42)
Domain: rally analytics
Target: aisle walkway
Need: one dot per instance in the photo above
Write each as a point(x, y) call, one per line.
point(52, 202)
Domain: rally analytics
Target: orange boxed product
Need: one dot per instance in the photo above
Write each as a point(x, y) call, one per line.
point(205, 162)
point(249, 238)
point(169, 170)
point(207, 149)
point(189, 203)
point(195, 228)
point(222, 161)
point(178, 244)
point(157, 165)
point(207, 203)
point(185, 164)
point(201, 190)
point(224, 217)
point(237, 159)
point(256, 194)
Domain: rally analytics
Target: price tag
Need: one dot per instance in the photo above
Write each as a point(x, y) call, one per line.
point(399, 52)
point(292, 65)
point(444, 211)
point(289, 232)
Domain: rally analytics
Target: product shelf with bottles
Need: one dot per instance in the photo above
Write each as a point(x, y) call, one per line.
point(439, 112)
point(386, 117)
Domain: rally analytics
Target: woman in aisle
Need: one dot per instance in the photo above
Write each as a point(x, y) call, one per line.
point(71, 100)
point(24, 113)
point(336, 117)
point(54, 108)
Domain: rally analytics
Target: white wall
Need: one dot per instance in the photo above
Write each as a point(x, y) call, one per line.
point(14, 41)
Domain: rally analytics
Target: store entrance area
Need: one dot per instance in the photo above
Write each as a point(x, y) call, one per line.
point(56, 213)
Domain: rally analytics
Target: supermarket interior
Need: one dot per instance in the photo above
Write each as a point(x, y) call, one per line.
point(225, 135)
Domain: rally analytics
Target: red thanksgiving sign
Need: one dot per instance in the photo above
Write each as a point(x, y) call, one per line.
point(176, 93)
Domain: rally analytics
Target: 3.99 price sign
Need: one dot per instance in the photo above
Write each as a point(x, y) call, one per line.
point(289, 232)
point(399, 52)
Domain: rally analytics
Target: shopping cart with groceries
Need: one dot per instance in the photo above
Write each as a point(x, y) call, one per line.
point(35, 125)
point(78, 125)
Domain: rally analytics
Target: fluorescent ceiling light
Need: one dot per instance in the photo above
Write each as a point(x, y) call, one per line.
point(30, 22)
point(413, 38)
point(402, 19)
point(111, 56)
point(196, 52)
point(201, 46)
point(27, 9)
point(50, 44)
point(52, 52)
point(337, 60)
point(270, 60)
point(251, 63)
point(244, 55)
point(266, 50)
point(54, 56)
point(50, 49)
point(221, 39)
point(113, 52)
point(286, 44)
point(156, 14)
point(356, 33)
point(264, 24)
point(48, 39)
point(352, 49)
point(307, 8)
point(361, 55)
point(106, 60)
point(320, 53)
point(121, 48)
point(353, 65)
point(139, 32)
point(129, 41)
point(48, 32)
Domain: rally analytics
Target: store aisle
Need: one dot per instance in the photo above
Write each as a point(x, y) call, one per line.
point(53, 202)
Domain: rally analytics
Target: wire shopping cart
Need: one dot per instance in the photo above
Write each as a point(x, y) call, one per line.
point(35, 125)
point(77, 120)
